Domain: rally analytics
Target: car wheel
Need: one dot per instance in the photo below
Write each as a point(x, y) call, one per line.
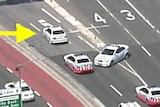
point(111, 63)
point(127, 55)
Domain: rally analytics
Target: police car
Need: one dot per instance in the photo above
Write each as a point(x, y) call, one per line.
point(78, 63)
point(129, 104)
point(148, 94)
point(27, 93)
point(55, 35)
point(112, 54)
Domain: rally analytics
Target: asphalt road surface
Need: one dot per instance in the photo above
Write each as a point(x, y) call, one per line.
point(132, 30)
point(6, 76)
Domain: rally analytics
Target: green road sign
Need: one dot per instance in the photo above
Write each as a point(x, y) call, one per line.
point(10, 98)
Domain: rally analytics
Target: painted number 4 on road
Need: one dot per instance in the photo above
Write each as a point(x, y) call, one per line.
point(98, 18)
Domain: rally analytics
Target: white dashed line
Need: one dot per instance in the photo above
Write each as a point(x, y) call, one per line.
point(132, 71)
point(118, 22)
point(35, 27)
point(120, 94)
point(132, 36)
point(157, 31)
point(94, 28)
point(89, 44)
point(80, 37)
point(140, 14)
point(36, 93)
point(86, 42)
point(49, 105)
point(68, 1)
point(8, 69)
point(145, 50)
point(49, 14)
point(127, 69)
point(140, 78)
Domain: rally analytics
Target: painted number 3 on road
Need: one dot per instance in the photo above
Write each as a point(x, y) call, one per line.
point(130, 16)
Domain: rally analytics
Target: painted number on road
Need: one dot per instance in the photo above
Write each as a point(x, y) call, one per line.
point(98, 18)
point(44, 23)
point(130, 16)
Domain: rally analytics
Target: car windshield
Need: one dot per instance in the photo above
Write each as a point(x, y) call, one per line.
point(58, 32)
point(82, 60)
point(25, 89)
point(107, 52)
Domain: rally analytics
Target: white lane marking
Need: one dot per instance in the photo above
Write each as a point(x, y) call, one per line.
point(68, 1)
point(140, 78)
point(86, 42)
point(44, 23)
point(80, 37)
point(49, 14)
point(8, 69)
point(118, 21)
point(69, 42)
point(157, 31)
point(35, 27)
point(140, 14)
point(94, 28)
point(74, 31)
point(145, 50)
point(97, 27)
point(49, 105)
point(36, 93)
point(150, 24)
point(132, 71)
point(136, 74)
point(130, 67)
point(89, 44)
point(132, 36)
point(91, 27)
point(116, 90)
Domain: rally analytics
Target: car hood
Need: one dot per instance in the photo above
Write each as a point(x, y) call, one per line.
point(104, 57)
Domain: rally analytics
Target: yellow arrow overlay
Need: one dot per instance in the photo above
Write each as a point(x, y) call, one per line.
point(22, 33)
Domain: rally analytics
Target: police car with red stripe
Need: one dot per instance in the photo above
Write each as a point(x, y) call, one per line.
point(79, 63)
point(148, 94)
point(129, 104)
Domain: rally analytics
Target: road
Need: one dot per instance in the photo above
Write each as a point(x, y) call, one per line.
point(135, 32)
point(133, 22)
point(7, 77)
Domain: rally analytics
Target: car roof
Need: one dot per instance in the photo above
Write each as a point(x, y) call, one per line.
point(112, 46)
point(81, 56)
point(56, 28)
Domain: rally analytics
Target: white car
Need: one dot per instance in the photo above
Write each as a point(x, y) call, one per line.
point(148, 94)
point(55, 35)
point(78, 63)
point(27, 93)
point(112, 54)
point(129, 104)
